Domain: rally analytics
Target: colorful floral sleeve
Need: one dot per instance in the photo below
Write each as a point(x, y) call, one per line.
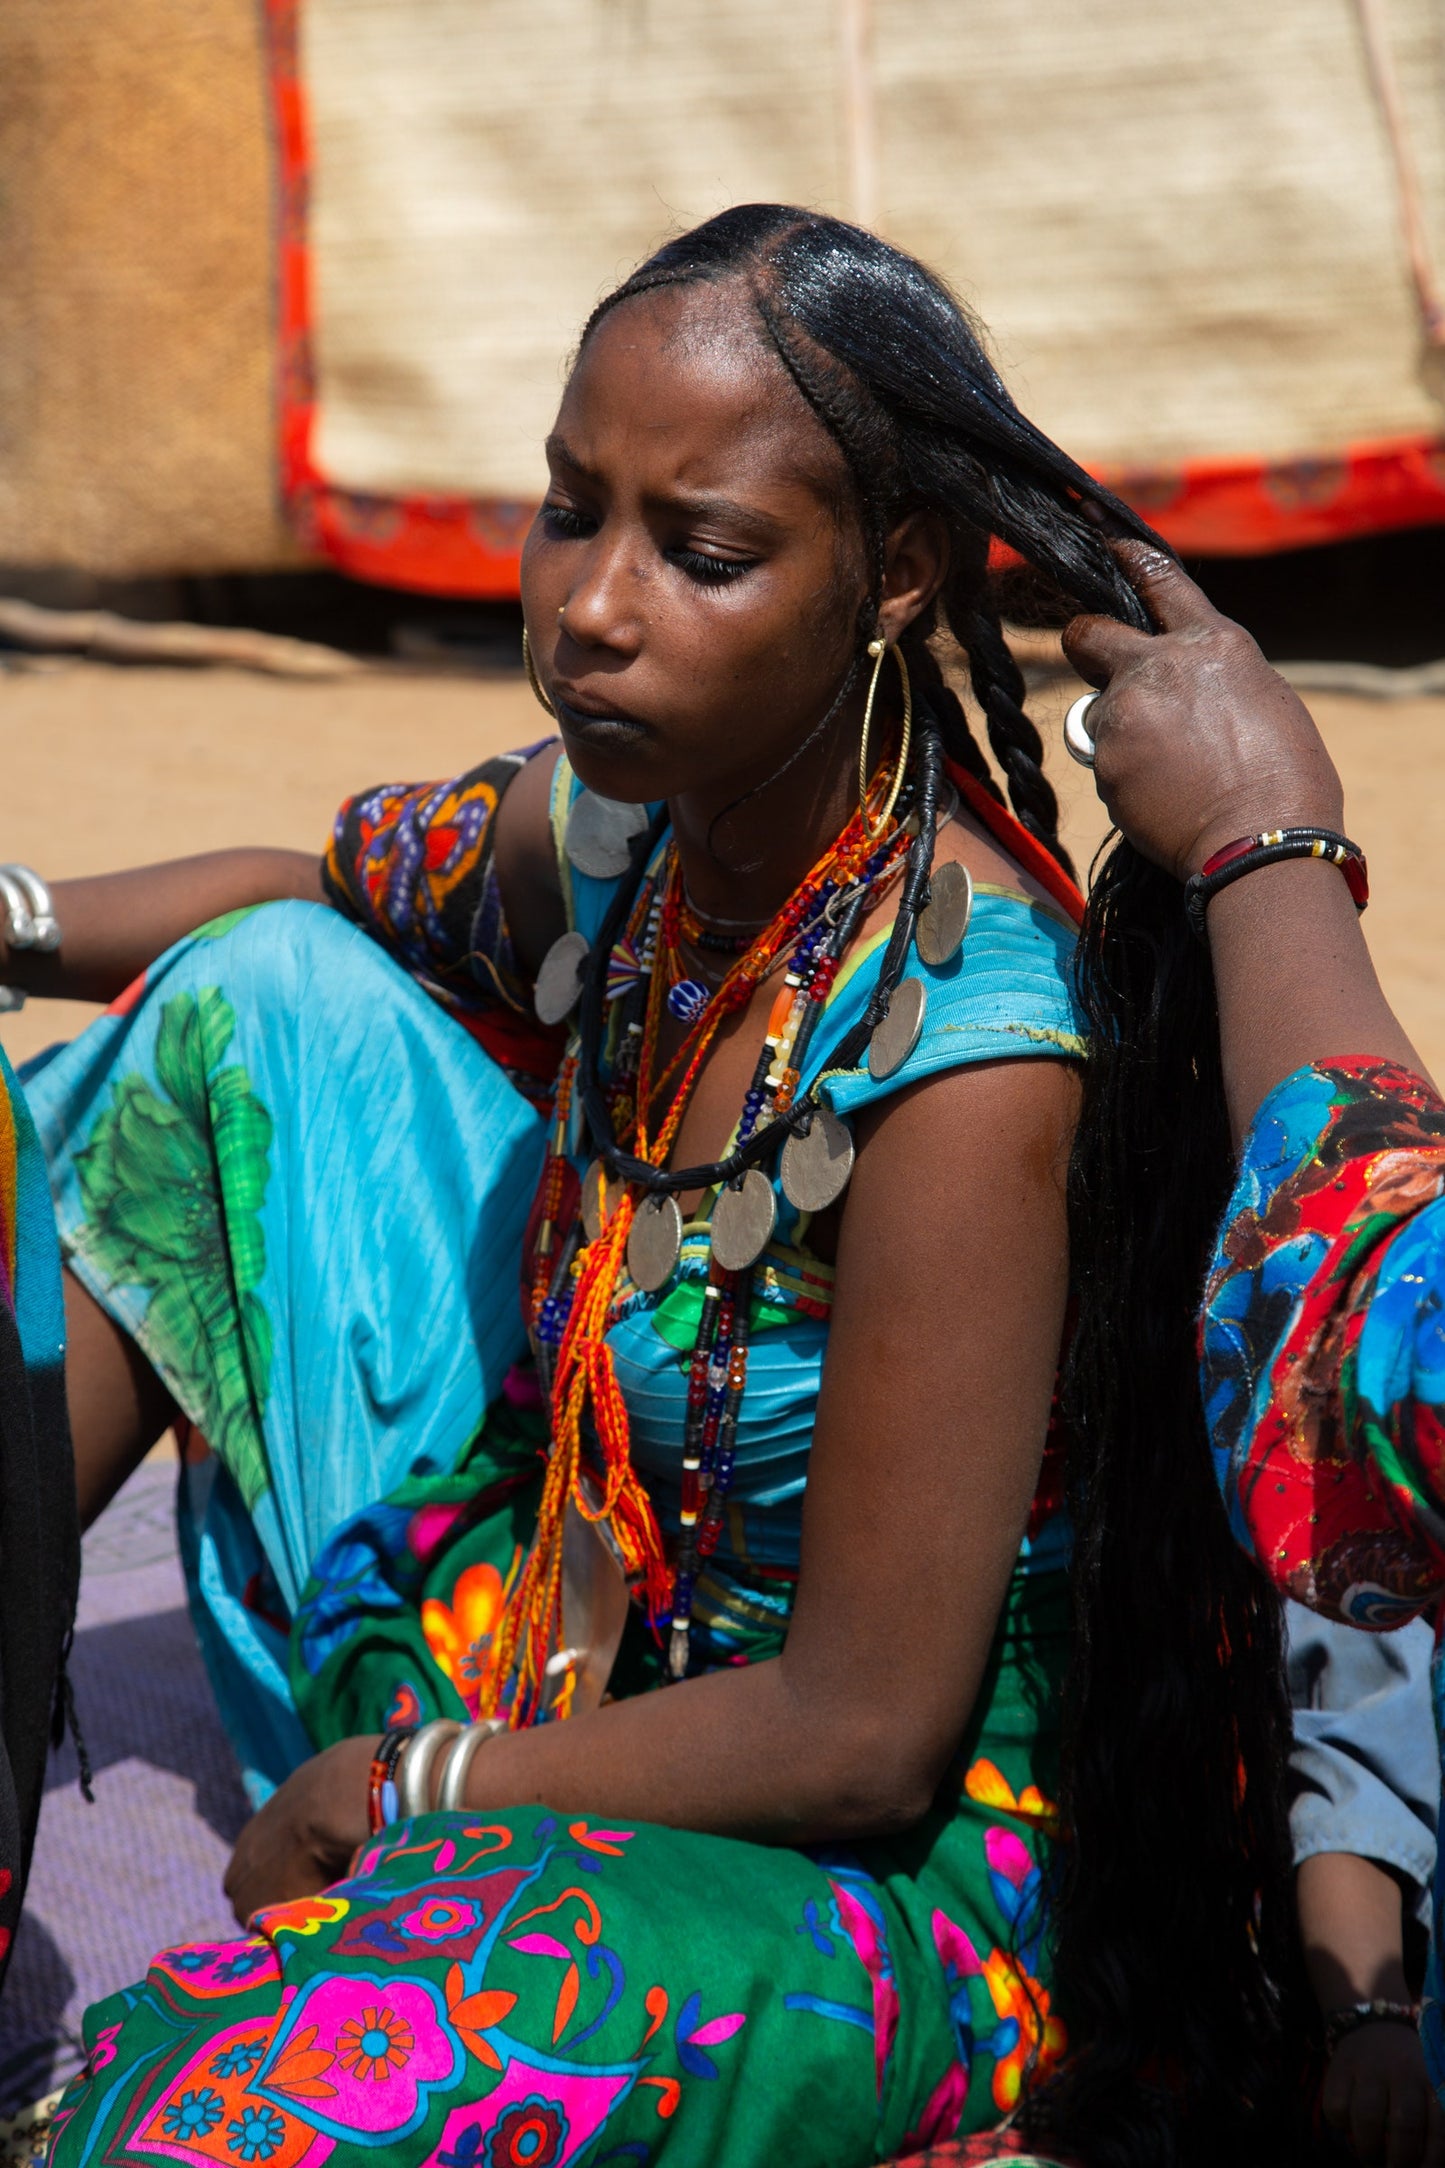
point(1323, 1342)
point(413, 864)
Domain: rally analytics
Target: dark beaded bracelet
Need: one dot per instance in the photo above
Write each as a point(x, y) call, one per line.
point(1341, 2023)
point(389, 1749)
point(1249, 853)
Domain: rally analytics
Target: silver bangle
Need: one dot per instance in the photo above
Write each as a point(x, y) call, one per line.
point(460, 1756)
point(30, 920)
point(413, 1774)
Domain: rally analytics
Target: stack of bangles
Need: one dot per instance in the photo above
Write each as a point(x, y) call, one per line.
point(1269, 849)
point(402, 1768)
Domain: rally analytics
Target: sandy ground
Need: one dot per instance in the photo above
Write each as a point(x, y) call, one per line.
point(109, 767)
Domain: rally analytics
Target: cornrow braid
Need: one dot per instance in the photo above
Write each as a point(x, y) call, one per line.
point(931, 688)
point(855, 422)
point(998, 687)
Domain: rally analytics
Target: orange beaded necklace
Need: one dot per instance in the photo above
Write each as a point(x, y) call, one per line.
point(584, 1382)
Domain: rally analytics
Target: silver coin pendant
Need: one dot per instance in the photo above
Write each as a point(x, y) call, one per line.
point(559, 980)
point(600, 833)
point(814, 1170)
point(943, 921)
point(743, 1220)
point(655, 1243)
point(895, 1038)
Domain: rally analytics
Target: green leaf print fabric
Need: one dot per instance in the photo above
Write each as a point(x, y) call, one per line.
point(300, 1187)
point(172, 1182)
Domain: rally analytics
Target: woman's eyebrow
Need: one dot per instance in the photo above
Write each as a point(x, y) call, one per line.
point(704, 503)
point(561, 454)
point(696, 503)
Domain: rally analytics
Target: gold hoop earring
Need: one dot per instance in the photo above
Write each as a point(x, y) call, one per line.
point(532, 678)
point(878, 649)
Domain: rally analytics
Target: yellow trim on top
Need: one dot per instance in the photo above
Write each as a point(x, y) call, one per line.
point(980, 888)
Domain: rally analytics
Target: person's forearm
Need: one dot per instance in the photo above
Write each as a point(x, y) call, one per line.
point(114, 924)
point(1351, 1929)
point(735, 1752)
point(1294, 980)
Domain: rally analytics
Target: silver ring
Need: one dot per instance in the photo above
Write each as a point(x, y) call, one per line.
point(1077, 743)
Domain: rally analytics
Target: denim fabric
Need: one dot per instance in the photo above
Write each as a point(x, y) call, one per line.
point(1365, 1774)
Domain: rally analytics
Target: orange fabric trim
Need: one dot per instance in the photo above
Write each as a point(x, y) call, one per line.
point(437, 545)
point(1023, 848)
point(472, 546)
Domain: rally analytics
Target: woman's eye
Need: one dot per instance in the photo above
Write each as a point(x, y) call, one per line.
point(710, 571)
point(565, 523)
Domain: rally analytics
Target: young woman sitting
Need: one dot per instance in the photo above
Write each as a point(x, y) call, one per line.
point(742, 1027)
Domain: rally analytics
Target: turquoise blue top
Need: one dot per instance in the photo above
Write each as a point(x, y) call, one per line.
point(1007, 993)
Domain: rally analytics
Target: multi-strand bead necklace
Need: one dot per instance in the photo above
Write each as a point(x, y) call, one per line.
point(627, 1209)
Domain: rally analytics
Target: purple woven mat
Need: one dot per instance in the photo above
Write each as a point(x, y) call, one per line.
point(142, 1868)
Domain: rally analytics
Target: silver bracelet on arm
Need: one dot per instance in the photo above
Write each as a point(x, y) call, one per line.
point(460, 1755)
point(413, 1776)
point(29, 920)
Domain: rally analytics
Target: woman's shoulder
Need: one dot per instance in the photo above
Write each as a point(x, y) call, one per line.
point(1007, 992)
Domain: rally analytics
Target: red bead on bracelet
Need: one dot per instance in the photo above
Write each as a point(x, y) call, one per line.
point(1271, 847)
point(389, 1749)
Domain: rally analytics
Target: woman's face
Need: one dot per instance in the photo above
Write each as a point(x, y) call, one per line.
point(691, 585)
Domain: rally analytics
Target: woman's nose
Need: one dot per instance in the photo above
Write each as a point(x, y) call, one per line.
point(601, 609)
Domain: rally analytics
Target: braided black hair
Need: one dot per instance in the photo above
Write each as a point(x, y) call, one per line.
point(1172, 1938)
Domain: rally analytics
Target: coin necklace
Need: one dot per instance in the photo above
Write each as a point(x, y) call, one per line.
point(575, 1280)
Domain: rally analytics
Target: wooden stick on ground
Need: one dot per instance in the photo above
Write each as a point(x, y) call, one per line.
point(126, 639)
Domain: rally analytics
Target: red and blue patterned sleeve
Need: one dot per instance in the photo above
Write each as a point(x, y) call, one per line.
point(1323, 1342)
point(413, 864)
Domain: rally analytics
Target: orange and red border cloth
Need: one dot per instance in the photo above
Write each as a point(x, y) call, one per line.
point(472, 546)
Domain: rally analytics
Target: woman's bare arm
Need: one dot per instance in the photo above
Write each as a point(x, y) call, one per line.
point(1199, 743)
point(114, 924)
point(948, 1315)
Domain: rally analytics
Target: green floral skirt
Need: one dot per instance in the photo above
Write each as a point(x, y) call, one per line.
point(510, 1992)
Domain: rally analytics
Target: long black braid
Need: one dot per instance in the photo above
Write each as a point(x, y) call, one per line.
point(1172, 1937)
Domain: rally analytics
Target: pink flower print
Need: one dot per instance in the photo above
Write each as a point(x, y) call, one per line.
point(375, 2043)
point(441, 1919)
point(955, 1949)
point(942, 2113)
point(534, 2117)
point(866, 1935)
point(104, 2050)
point(385, 2048)
point(429, 1527)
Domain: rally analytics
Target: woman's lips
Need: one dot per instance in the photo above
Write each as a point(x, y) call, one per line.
point(593, 721)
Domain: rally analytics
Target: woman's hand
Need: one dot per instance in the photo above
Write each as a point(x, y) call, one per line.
point(304, 1837)
point(1201, 743)
point(1380, 2101)
point(1199, 740)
